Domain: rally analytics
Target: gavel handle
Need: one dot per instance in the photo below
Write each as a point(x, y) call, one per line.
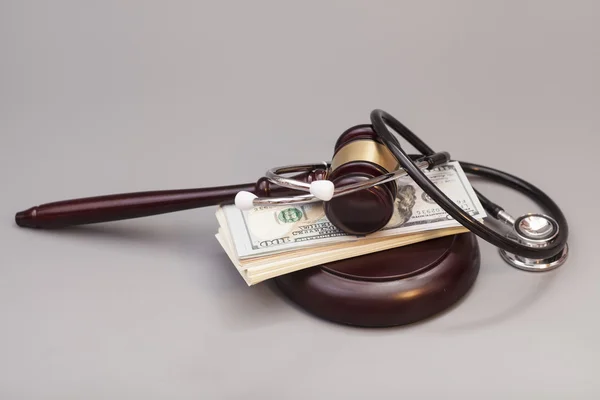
point(117, 207)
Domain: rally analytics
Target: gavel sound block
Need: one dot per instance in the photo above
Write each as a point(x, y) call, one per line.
point(393, 287)
point(388, 288)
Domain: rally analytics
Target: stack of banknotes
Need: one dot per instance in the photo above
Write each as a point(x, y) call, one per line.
point(266, 242)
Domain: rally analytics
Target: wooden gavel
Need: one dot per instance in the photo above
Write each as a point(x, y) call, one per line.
point(358, 156)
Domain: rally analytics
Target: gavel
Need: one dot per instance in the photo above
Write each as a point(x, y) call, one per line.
point(358, 155)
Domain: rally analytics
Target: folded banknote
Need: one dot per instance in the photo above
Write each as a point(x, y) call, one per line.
point(271, 230)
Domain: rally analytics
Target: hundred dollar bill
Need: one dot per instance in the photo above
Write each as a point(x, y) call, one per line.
point(275, 229)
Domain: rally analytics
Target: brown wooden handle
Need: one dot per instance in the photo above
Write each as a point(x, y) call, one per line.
point(117, 207)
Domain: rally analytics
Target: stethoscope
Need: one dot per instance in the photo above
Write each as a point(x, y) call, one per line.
point(535, 241)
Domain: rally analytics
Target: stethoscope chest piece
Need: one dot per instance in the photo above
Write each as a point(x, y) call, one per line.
point(535, 230)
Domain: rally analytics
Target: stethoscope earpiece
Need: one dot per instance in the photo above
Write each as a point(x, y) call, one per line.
point(244, 200)
point(322, 189)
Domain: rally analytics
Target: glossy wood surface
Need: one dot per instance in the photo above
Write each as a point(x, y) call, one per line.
point(357, 132)
point(389, 288)
point(365, 211)
point(368, 210)
point(117, 207)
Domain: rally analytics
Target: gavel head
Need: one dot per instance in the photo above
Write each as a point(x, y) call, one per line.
point(359, 155)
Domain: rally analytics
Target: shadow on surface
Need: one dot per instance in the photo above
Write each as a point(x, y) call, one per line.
point(203, 261)
point(514, 305)
point(243, 307)
point(467, 313)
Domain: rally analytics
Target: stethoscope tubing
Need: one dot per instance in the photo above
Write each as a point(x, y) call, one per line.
point(379, 118)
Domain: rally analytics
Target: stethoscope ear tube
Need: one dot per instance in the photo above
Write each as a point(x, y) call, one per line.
point(552, 249)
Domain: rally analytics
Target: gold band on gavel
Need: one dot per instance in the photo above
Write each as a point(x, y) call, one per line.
point(365, 150)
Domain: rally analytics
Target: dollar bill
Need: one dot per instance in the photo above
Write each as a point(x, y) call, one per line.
point(258, 269)
point(270, 230)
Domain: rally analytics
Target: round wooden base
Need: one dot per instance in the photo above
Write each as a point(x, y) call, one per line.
point(388, 288)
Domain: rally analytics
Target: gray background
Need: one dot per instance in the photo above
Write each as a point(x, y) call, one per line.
point(118, 96)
